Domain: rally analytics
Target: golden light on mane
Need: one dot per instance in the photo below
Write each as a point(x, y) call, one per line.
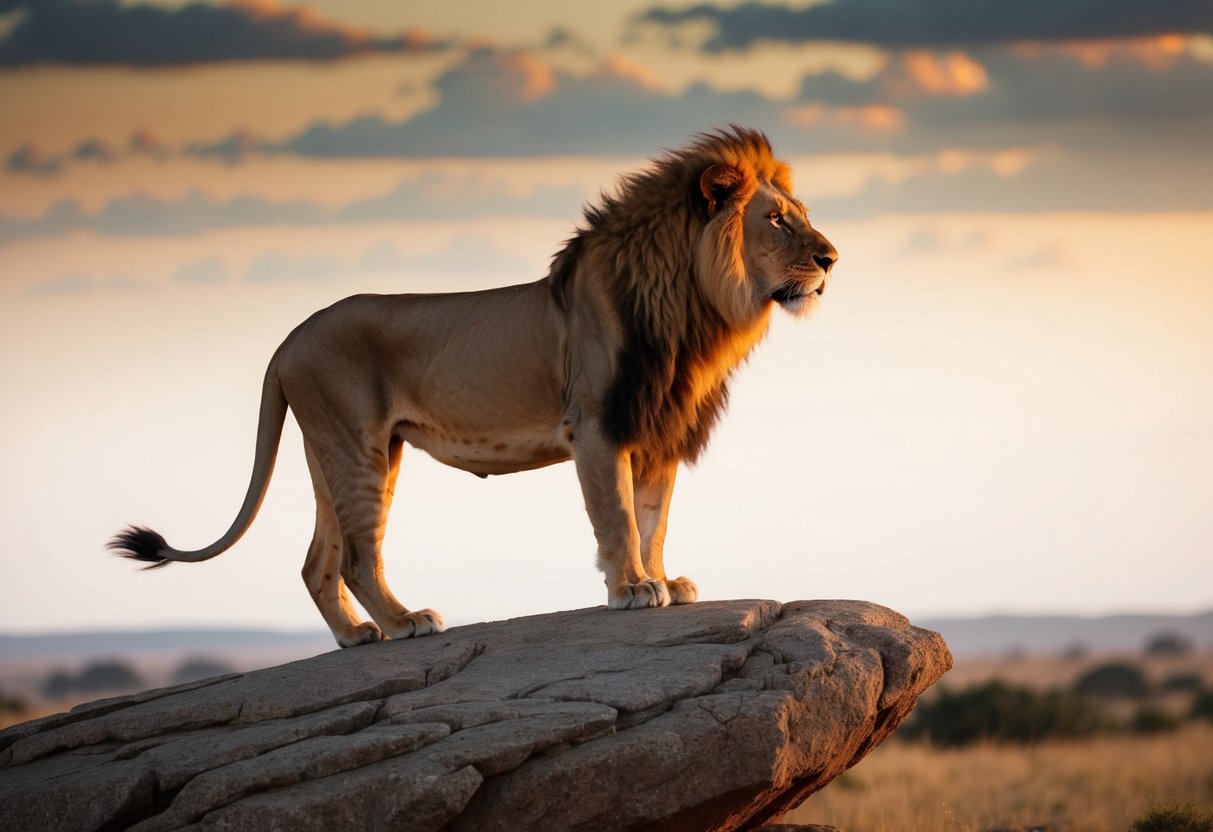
point(674, 265)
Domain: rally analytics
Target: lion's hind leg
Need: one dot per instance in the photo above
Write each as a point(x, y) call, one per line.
point(361, 482)
point(322, 570)
point(652, 490)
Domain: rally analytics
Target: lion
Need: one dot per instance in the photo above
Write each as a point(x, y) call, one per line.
point(618, 359)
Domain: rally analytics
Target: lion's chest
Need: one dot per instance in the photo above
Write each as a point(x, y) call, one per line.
point(482, 453)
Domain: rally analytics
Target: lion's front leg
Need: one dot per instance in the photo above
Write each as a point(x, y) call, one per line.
point(605, 473)
point(653, 490)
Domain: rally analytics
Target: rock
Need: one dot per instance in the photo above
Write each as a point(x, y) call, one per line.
point(713, 716)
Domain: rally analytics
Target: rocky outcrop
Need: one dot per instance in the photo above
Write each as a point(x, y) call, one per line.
point(714, 716)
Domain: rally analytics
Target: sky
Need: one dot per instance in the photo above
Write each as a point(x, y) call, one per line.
point(1004, 403)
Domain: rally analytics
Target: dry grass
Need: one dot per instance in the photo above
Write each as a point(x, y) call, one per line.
point(1098, 785)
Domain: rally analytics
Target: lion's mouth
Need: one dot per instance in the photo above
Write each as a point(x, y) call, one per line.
point(794, 292)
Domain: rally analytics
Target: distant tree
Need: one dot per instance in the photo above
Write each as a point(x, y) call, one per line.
point(1075, 652)
point(193, 670)
point(1114, 680)
point(1183, 682)
point(108, 675)
point(11, 703)
point(1202, 706)
point(1168, 644)
point(998, 710)
point(59, 684)
point(1174, 817)
point(1151, 719)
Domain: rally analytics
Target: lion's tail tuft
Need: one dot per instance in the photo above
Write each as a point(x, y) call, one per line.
point(141, 544)
point(144, 545)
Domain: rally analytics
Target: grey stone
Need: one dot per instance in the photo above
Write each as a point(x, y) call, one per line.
point(713, 716)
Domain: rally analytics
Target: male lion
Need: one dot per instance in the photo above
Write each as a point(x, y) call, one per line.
point(618, 359)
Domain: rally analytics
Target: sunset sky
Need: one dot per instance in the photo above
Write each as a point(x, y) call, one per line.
point(1005, 403)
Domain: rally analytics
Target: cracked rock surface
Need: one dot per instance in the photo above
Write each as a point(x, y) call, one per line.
point(712, 716)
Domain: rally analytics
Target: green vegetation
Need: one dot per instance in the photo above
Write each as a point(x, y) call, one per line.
point(1151, 719)
point(1000, 711)
point(10, 703)
point(1182, 683)
point(1202, 706)
point(1114, 680)
point(193, 670)
point(1167, 645)
point(1174, 817)
point(96, 677)
point(1096, 703)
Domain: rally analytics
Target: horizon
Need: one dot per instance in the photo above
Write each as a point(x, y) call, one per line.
point(1002, 406)
point(321, 630)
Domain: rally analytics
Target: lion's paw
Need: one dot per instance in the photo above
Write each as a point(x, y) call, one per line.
point(682, 591)
point(413, 624)
point(365, 633)
point(650, 593)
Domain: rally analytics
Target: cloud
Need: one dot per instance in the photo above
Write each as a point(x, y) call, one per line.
point(428, 197)
point(75, 283)
point(92, 32)
point(937, 23)
point(1147, 94)
point(1051, 255)
point(464, 254)
point(960, 182)
point(509, 103)
point(275, 267)
point(1129, 101)
point(93, 150)
point(29, 159)
point(209, 270)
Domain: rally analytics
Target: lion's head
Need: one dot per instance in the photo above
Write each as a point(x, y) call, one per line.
point(757, 244)
point(718, 216)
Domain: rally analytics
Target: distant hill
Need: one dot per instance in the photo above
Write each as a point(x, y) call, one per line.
point(139, 643)
point(988, 635)
point(999, 634)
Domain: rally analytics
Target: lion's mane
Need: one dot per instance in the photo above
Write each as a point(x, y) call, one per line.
point(674, 268)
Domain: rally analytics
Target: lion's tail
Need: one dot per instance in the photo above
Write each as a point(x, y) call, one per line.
point(143, 544)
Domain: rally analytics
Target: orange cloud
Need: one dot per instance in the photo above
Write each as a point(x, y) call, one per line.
point(954, 74)
point(619, 67)
point(1157, 53)
point(535, 77)
point(877, 118)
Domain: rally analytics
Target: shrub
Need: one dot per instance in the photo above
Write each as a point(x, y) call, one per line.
point(193, 670)
point(60, 683)
point(1174, 817)
point(1202, 707)
point(11, 703)
point(108, 675)
point(1151, 719)
point(1114, 680)
point(1000, 711)
point(98, 676)
point(1168, 644)
point(1183, 683)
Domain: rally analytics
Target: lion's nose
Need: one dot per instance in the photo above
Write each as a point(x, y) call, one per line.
point(826, 257)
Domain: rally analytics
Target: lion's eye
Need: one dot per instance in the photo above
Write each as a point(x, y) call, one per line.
point(776, 218)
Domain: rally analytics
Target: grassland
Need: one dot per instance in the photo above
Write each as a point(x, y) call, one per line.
point(1098, 785)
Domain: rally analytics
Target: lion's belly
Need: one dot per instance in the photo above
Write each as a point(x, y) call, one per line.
point(483, 454)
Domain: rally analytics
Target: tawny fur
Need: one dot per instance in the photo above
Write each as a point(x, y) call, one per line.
point(618, 359)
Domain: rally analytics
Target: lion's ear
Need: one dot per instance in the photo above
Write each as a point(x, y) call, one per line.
point(718, 183)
